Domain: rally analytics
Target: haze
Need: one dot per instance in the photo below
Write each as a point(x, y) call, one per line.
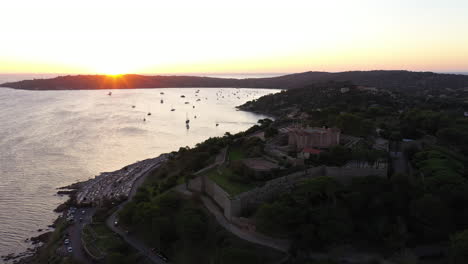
point(173, 37)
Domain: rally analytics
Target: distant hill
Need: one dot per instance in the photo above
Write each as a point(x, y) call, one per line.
point(402, 81)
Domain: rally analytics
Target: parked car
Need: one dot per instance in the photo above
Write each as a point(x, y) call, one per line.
point(70, 249)
point(67, 241)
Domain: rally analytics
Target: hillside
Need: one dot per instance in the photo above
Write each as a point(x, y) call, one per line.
point(402, 81)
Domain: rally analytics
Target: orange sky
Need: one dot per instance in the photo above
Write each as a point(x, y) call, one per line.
point(168, 37)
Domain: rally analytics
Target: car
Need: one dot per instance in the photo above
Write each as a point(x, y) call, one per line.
point(67, 241)
point(70, 249)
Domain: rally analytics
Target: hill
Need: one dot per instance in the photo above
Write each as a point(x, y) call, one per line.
point(402, 81)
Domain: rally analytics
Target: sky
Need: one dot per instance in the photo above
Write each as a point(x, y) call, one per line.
point(242, 36)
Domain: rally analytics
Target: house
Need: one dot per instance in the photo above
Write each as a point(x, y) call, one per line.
point(301, 138)
point(307, 152)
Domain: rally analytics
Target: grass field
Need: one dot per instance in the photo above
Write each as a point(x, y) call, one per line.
point(236, 154)
point(221, 178)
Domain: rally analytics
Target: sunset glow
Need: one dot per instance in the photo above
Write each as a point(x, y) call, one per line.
point(114, 37)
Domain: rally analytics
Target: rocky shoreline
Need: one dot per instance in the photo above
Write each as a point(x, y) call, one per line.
point(107, 185)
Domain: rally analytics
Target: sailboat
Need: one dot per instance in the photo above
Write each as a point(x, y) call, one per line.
point(187, 121)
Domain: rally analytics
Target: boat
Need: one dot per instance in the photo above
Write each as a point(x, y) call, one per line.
point(133, 106)
point(161, 93)
point(187, 126)
point(187, 102)
point(187, 121)
point(172, 109)
point(162, 101)
point(198, 99)
point(109, 94)
point(182, 96)
point(217, 124)
point(193, 106)
point(144, 119)
point(149, 113)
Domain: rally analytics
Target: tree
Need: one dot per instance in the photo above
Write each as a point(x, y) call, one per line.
point(193, 224)
point(316, 190)
point(235, 256)
point(459, 248)
point(430, 217)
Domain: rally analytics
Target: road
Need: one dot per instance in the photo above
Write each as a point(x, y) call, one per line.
point(74, 232)
point(251, 236)
point(138, 245)
point(75, 229)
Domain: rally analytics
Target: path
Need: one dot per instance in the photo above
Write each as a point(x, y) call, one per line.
point(138, 245)
point(251, 236)
point(254, 237)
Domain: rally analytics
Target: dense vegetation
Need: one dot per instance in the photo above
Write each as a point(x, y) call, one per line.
point(428, 205)
point(187, 233)
point(401, 81)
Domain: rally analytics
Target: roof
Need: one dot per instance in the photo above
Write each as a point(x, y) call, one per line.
point(259, 164)
point(312, 151)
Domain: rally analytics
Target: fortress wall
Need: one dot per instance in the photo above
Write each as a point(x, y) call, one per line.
point(345, 175)
point(233, 206)
point(220, 196)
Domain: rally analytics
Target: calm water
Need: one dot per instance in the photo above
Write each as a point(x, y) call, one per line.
point(49, 139)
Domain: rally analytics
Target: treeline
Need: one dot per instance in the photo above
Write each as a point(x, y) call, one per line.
point(184, 231)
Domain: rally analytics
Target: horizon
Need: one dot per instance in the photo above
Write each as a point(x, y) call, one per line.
point(239, 75)
point(243, 37)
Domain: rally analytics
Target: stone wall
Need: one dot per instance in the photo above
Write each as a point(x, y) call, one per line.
point(196, 184)
point(272, 188)
point(345, 175)
point(220, 196)
point(233, 206)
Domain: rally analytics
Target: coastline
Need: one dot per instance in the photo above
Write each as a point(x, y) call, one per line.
point(127, 177)
point(77, 191)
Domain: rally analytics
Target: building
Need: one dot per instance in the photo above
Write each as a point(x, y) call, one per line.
point(301, 138)
point(307, 152)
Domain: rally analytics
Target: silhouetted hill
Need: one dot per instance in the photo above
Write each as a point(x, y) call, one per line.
point(402, 81)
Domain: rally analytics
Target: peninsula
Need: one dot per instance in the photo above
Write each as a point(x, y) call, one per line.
point(400, 81)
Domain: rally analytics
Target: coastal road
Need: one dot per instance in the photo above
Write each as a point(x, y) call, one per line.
point(138, 245)
point(74, 232)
